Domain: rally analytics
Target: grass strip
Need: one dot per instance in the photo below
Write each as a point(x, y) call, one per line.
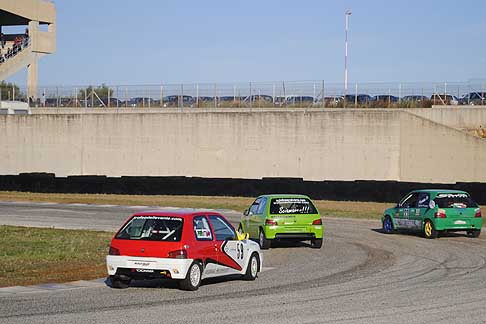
point(38, 255)
point(350, 209)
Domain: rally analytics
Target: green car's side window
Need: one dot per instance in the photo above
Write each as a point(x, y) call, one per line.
point(261, 206)
point(410, 201)
point(423, 200)
point(255, 206)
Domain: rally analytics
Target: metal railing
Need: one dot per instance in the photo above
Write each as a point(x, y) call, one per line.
point(14, 50)
point(301, 94)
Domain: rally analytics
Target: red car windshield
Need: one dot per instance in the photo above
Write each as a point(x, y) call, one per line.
point(152, 228)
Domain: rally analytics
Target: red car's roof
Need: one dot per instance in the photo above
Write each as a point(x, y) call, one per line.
point(183, 212)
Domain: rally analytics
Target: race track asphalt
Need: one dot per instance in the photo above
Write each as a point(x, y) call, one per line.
point(359, 276)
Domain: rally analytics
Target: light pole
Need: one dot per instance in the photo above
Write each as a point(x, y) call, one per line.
point(347, 13)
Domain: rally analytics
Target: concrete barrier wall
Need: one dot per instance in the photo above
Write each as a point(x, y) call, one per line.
point(431, 152)
point(313, 144)
point(464, 117)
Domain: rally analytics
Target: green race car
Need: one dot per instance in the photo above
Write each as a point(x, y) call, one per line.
point(283, 217)
point(434, 211)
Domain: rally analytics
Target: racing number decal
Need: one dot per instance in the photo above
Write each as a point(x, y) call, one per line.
point(239, 251)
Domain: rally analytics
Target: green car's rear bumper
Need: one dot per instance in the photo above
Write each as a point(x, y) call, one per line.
point(303, 232)
point(458, 224)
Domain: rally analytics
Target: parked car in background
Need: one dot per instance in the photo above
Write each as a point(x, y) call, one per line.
point(474, 98)
point(330, 101)
point(360, 99)
point(178, 101)
point(282, 217)
point(139, 102)
point(279, 101)
point(415, 98)
point(434, 211)
point(444, 99)
point(227, 100)
point(385, 98)
point(61, 102)
point(299, 100)
point(204, 99)
point(258, 98)
point(333, 100)
point(182, 245)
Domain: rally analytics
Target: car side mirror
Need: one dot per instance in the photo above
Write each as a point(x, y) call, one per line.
point(246, 212)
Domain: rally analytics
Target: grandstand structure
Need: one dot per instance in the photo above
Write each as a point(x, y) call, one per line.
point(23, 50)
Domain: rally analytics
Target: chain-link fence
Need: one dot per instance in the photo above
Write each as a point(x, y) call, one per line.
point(302, 94)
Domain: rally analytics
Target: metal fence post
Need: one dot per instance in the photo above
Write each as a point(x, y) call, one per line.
point(181, 97)
point(161, 96)
point(323, 97)
point(356, 97)
point(108, 98)
point(149, 97)
point(435, 93)
point(76, 97)
point(144, 95)
point(284, 95)
point(251, 96)
point(126, 97)
point(197, 95)
point(215, 96)
point(314, 93)
point(399, 93)
point(482, 95)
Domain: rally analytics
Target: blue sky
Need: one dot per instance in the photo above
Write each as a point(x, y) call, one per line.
point(154, 41)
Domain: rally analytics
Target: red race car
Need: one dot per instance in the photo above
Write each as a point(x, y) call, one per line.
point(185, 245)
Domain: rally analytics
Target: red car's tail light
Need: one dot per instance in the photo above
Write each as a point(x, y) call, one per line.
point(178, 254)
point(113, 251)
point(317, 222)
point(477, 213)
point(270, 222)
point(440, 213)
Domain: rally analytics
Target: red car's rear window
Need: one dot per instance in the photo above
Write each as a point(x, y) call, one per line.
point(152, 228)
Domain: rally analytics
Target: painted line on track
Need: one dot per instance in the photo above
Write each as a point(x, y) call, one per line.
point(100, 282)
point(15, 290)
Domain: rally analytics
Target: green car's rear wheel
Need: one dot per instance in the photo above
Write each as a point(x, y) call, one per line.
point(429, 231)
point(263, 241)
point(316, 243)
point(474, 233)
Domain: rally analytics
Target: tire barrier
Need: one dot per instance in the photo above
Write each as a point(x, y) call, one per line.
point(359, 190)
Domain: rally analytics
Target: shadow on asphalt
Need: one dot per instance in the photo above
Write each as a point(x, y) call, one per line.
point(173, 284)
point(289, 244)
point(419, 234)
